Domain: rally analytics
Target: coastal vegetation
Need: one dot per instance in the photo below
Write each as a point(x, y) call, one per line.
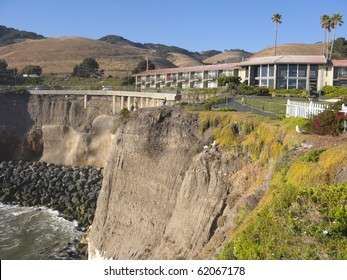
point(303, 213)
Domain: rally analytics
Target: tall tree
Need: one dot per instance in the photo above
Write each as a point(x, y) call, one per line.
point(276, 18)
point(336, 20)
point(325, 21)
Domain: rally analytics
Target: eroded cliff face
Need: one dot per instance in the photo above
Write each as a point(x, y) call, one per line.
point(163, 195)
point(56, 129)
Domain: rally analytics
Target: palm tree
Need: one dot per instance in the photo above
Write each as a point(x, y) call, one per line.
point(336, 20)
point(276, 18)
point(324, 21)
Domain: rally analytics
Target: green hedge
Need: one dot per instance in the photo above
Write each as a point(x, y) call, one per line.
point(334, 91)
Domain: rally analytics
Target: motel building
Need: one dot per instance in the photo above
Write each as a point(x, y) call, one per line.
point(280, 72)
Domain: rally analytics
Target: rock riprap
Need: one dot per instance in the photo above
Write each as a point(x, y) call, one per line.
point(73, 191)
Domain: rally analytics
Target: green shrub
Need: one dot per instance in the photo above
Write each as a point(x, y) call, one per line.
point(317, 215)
point(334, 91)
point(207, 107)
point(204, 91)
point(231, 81)
point(312, 155)
point(124, 113)
point(294, 92)
point(243, 89)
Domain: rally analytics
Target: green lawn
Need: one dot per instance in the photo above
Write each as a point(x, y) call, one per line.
point(276, 106)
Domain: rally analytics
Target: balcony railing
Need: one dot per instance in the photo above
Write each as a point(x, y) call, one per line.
point(195, 77)
point(342, 76)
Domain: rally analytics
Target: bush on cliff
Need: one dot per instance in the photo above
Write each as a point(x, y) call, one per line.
point(328, 122)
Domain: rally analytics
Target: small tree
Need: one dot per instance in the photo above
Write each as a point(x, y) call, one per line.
point(88, 68)
point(142, 66)
point(3, 66)
point(32, 70)
point(231, 81)
point(128, 81)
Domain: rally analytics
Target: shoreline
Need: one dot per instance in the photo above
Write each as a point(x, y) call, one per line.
point(71, 191)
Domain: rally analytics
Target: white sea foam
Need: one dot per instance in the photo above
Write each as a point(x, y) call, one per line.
point(33, 232)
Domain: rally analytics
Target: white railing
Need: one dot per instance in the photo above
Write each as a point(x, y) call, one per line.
point(304, 109)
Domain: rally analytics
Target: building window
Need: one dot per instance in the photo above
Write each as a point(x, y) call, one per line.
point(293, 70)
point(282, 70)
point(281, 83)
point(302, 84)
point(292, 76)
point(313, 71)
point(340, 73)
point(263, 75)
point(264, 71)
point(291, 83)
point(302, 71)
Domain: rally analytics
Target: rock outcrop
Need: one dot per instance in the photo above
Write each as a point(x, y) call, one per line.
point(56, 129)
point(162, 195)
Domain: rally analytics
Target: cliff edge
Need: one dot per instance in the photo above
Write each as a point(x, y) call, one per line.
point(162, 192)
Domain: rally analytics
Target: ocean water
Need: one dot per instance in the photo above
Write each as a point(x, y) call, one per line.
point(35, 233)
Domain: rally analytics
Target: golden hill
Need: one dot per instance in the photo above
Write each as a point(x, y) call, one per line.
point(291, 49)
point(183, 60)
point(227, 57)
point(60, 55)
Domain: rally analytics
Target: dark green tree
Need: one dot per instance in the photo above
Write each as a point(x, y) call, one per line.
point(7, 76)
point(128, 81)
point(142, 66)
point(32, 70)
point(3, 66)
point(88, 68)
point(231, 81)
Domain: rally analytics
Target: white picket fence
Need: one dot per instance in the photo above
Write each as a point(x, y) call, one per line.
point(303, 109)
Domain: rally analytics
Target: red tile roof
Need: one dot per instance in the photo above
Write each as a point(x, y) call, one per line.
point(339, 63)
point(190, 69)
point(287, 59)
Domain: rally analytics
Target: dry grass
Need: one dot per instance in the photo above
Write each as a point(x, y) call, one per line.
point(182, 60)
point(291, 49)
point(227, 57)
point(60, 55)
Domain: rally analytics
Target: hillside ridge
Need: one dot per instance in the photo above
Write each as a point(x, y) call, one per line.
point(116, 55)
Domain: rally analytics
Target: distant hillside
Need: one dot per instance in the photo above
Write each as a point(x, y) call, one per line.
point(116, 40)
point(60, 55)
point(183, 60)
point(11, 35)
point(162, 50)
point(230, 56)
point(292, 49)
point(118, 56)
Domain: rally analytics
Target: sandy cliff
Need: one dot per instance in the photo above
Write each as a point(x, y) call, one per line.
point(163, 196)
point(56, 129)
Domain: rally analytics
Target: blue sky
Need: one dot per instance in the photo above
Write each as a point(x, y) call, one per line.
point(191, 24)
